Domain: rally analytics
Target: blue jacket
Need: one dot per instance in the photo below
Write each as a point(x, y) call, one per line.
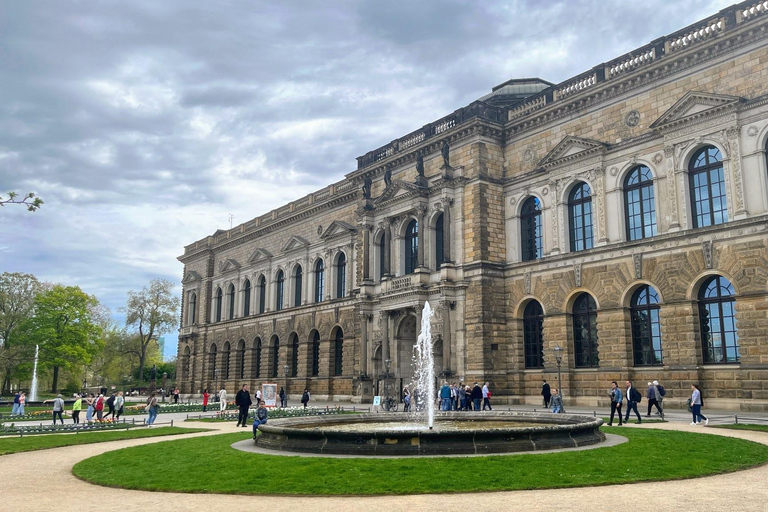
point(445, 391)
point(617, 397)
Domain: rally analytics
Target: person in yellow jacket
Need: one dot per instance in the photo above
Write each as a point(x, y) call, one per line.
point(76, 408)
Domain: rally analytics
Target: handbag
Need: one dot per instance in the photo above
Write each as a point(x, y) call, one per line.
point(690, 407)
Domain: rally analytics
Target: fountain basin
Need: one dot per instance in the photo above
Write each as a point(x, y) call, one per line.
point(455, 433)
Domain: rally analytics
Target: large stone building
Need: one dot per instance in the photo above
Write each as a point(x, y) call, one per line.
point(620, 215)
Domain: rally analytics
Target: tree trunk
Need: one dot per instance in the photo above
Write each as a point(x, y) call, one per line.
point(142, 358)
point(6, 384)
point(55, 379)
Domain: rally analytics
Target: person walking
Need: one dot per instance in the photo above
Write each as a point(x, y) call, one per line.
point(98, 406)
point(15, 409)
point(546, 393)
point(257, 395)
point(697, 402)
point(176, 396)
point(487, 397)
point(445, 397)
point(305, 397)
point(282, 397)
point(406, 400)
point(89, 411)
point(616, 400)
point(477, 396)
point(633, 398)
point(206, 396)
point(22, 403)
point(652, 394)
point(467, 398)
point(110, 407)
point(557, 402)
point(58, 409)
point(119, 402)
point(76, 408)
point(661, 393)
point(222, 400)
point(152, 408)
point(262, 415)
point(243, 402)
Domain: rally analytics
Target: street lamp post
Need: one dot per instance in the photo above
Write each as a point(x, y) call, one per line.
point(286, 368)
point(559, 360)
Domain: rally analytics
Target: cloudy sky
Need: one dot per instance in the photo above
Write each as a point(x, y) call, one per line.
point(144, 124)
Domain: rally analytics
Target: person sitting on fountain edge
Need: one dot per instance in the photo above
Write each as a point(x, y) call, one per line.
point(261, 417)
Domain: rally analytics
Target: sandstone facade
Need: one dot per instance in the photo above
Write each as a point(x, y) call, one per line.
point(703, 88)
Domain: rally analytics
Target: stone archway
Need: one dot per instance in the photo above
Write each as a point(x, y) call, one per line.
point(405, 341)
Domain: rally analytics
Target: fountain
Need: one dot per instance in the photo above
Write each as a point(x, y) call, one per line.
point(33, 389)
point(425, 367)
point(451, 433)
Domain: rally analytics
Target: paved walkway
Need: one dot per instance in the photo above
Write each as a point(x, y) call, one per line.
point(43, 480)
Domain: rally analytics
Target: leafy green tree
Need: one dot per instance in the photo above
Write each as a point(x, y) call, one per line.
point(29, 200)
point(150, 313)
point(17, 296)
point(65, 328)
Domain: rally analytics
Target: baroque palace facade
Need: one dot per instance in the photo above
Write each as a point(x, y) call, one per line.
point(620, 215)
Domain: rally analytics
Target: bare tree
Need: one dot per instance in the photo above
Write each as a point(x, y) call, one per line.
point(151, 312)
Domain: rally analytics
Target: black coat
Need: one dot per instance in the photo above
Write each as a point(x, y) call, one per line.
point(545, 390)
point(243, 399)
point(477, 392)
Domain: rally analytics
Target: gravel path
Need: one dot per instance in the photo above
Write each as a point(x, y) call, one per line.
point(43, 480)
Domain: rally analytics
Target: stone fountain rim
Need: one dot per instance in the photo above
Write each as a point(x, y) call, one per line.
point(550, 423)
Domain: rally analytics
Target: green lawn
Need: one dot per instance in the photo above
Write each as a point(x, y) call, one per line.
point(210, 465)
point(744, 426)
point(43, 442)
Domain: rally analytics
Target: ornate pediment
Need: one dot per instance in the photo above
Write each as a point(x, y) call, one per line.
point(260, 255)
point(294, 243)
point(571, 149)
point(338, 229)
point(399, 189)
point(693, 107)
point(228, 265)
point(191, 277)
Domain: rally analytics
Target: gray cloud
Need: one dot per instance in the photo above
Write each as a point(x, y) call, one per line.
point(143, 124)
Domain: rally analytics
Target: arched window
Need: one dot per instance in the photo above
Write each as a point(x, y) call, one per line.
point(295, 357)
point(185, 364)
point(338, 353)
point(226, 360)
point(319, 280)
point(719, 337)
point(533, 324)
point(240, 359)
point(192, 308)
point(580, 217)
point(639, 204)
point(219, 300)
point(231, 300)
point(341, 276)
point(708, 201)
point(383, 256)
point(585, 332)
point(646, 329)
point(411, 247)
point(212, 361)
point(316, 354)
point(439, 242)
point(279, 289)
point(530, 229)
point(274, 364)
point(257, 358)
point(262, 284)
point(247, 297)
point(298, 276)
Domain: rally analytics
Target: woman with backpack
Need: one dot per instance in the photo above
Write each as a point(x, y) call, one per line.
point(305, 397)
point(90, 409)
point(119, 402)
point(152, 408)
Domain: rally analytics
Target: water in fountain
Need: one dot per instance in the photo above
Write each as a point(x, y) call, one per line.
point(33, 389)
point(425, 367)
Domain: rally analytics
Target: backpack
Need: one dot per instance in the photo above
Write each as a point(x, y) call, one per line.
point(662, 391)
point(636, 396)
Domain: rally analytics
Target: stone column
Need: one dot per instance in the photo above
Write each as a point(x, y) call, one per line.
point(446, 307)
point(385, 337)
point(447, 231)
point(554, 186)
point(674, 221)
point(388, 250)
point(366, 252)
point(734, 160)
point(599, 192)
point(421, 212)
point(364, 317)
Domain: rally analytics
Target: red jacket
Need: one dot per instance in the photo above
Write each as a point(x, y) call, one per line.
point(99, 404)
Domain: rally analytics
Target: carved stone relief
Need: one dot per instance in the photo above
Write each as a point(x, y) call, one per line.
point(706, 248)
point(577, 273)
point(637, 259)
